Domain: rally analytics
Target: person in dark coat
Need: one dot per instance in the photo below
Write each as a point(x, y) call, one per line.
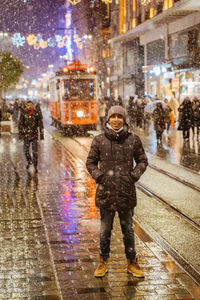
point(196, 115)
point(116, 161)
point(30, 130)
point(186, 117)
point(131, 110)
point(159, 121)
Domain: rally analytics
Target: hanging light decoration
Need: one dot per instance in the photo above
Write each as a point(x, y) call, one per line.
point(74, 2)
point(145, 2)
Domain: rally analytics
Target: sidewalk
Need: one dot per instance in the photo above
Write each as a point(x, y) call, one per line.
point(49, 226)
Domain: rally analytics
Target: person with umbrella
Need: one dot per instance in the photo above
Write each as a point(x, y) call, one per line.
point(159, 121)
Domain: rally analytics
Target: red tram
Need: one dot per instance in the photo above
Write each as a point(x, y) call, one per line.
point(73, 99)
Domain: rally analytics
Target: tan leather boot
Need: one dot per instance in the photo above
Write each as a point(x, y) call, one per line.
point(134, 268)
point(102, 268)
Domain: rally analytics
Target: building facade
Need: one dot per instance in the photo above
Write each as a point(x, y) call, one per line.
point(156, 48)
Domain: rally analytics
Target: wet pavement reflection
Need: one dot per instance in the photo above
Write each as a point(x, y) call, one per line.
point(49, 228)
point(24, 255)
point(173, 148)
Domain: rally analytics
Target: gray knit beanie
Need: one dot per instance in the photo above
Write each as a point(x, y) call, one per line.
point(116, 109)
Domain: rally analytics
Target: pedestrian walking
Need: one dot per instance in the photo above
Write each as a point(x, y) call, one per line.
point(140, 112)
point(30, 130)
point(131, 109)
point(174, 105)
point(116, 161)
point(186, 118)
point(168, 112)
point(159, 121)
point(196, 115)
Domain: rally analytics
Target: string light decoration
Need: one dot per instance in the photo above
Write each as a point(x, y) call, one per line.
point(18, 40)
point(38, 41)
point(43, 44)
point(31, 39)
point(74, 2)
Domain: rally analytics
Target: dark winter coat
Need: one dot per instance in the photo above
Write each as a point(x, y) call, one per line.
point(159, 119)
point(111, 164)
point(186, 115)
point(30, 125)
point(196, 113)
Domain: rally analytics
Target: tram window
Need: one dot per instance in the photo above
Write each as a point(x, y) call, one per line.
point(91, 88)
point(66, 97)
point(82, 89)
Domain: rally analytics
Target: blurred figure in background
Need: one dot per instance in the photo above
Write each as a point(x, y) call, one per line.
point(31, 128)
point(196, 115)
point(131, 110)
point(186, 115)
point(140, 112)
point(174, 105)
point(159, 121)
point(168, 112)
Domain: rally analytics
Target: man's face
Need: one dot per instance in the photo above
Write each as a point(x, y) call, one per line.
point(116, 121)
point(29, 106)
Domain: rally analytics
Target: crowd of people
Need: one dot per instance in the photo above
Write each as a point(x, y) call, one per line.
point(164, 114)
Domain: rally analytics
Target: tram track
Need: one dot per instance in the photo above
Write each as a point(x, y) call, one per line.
point(177, 211)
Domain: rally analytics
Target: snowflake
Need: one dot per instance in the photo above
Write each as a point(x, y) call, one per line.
point(74, 2)
point(51, 42)
point(39, 37)
point(58, 38)
point(18, 40)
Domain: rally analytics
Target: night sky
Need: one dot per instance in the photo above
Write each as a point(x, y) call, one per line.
point(34, 16)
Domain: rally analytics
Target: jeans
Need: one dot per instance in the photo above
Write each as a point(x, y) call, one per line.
point(27, 146)
point(126, 222)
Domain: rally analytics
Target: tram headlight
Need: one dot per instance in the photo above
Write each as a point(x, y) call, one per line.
point(80, 113)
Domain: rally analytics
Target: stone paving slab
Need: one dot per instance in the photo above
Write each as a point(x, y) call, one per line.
point(51, 218)
point(25, 268)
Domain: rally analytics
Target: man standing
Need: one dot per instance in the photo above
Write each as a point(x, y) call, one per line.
point(30, 129)
point(116, 161)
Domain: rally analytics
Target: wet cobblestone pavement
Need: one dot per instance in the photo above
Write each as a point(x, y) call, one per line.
point(49, 236)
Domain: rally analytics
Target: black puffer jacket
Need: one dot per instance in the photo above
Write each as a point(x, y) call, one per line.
point(111, 164)
point(30, 126)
